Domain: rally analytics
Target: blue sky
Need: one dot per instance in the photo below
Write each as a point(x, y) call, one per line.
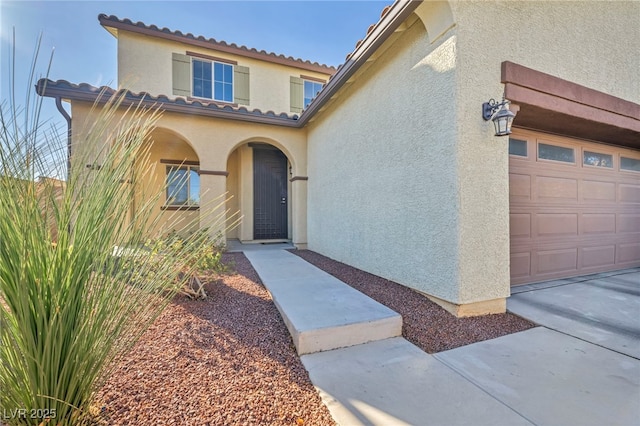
point(321, 31)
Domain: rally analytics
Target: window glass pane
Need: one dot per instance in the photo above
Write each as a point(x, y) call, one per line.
point(311, 89)
point(177, 189)
point(517, 147)
point(557, 153)
point(217, 70)
point(198, 88)
point(197, 69)
point(194, 187)
point(183, 186)
point(223, 78)
point(228, 92)
point(228, 73)
point(597, 159)
point(630, 164)
point(308, 89)
point(202, 79)
point(219, 90)
point(206, 93)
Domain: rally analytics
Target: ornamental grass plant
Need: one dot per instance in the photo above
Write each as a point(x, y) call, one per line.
point(69, 310)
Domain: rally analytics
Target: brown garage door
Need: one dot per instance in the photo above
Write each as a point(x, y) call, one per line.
point(574, 207)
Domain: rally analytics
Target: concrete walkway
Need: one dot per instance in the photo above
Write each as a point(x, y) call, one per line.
point(539, 376)
point(320, 311)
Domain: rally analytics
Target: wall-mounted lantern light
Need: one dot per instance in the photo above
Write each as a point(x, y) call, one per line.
point(502, 119)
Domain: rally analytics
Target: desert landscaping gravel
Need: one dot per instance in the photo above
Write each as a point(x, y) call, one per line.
point(424, 323)
point(226, 360)
point(229, 359)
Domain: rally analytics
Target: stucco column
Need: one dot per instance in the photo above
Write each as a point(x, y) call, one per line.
point(299, 211)
point(245, 184)
point(212, 206)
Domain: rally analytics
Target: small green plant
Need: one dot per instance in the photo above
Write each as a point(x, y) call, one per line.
point(209, 257)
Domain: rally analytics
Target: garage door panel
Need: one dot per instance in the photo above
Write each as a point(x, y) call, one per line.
point(598, 191)
point(629, 252)
point(520, 225)
point(572, 218)
point(628, 223)
point(519, 186)
point(629, 193)
point(556, 188)
point(598, 223)
point(565, 260)
point(598, 256)
point(557, 224)
point(521, 265)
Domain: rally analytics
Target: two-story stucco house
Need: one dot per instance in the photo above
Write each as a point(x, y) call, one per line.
point(391, 168)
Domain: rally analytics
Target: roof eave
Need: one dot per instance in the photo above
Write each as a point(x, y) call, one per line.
point(398, 13)
point(104, 95)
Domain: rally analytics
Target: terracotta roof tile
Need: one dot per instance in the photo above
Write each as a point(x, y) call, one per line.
point(115, 22)
point(87, 92)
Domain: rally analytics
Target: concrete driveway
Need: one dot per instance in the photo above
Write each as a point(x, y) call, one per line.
point(580, 367)
point(603, 309)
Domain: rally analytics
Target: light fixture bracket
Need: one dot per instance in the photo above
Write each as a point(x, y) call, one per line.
point(499, 113)
point(489, 108)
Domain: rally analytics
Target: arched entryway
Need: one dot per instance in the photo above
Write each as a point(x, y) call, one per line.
point(260, 188)
point(173, 180)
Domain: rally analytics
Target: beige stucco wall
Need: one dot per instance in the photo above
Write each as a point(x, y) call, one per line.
point(383, 194)
point(589, 43)
point(144, 65)
point(220, 145)
point(406, 179)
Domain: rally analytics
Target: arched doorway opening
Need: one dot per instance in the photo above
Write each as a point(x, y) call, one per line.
point(260, 188)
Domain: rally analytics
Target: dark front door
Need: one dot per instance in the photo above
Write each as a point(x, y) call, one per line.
point(270, 195)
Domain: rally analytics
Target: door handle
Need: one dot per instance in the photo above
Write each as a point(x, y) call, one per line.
point(283, 200)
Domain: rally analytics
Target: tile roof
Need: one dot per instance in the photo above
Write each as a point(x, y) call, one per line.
point(89, 93)
point(391, 18)
point(211, 43)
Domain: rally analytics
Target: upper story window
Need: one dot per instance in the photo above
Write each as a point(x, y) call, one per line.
point(210, 77)
point(302, 90)
point(311, 89)
point(212, 80)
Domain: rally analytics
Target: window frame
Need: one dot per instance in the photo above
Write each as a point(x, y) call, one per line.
point(577, 153)
point(313, 82)
point(189, 167)
point(599, 152)
point(627, 157)
point(519, 139)
point(213, 80)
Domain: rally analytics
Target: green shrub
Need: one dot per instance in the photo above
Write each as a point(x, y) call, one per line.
point(67, 310)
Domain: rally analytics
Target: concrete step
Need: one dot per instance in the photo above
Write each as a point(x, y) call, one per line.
point(321, 312)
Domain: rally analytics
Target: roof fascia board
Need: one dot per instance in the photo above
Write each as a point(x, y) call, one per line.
point(398, 13)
